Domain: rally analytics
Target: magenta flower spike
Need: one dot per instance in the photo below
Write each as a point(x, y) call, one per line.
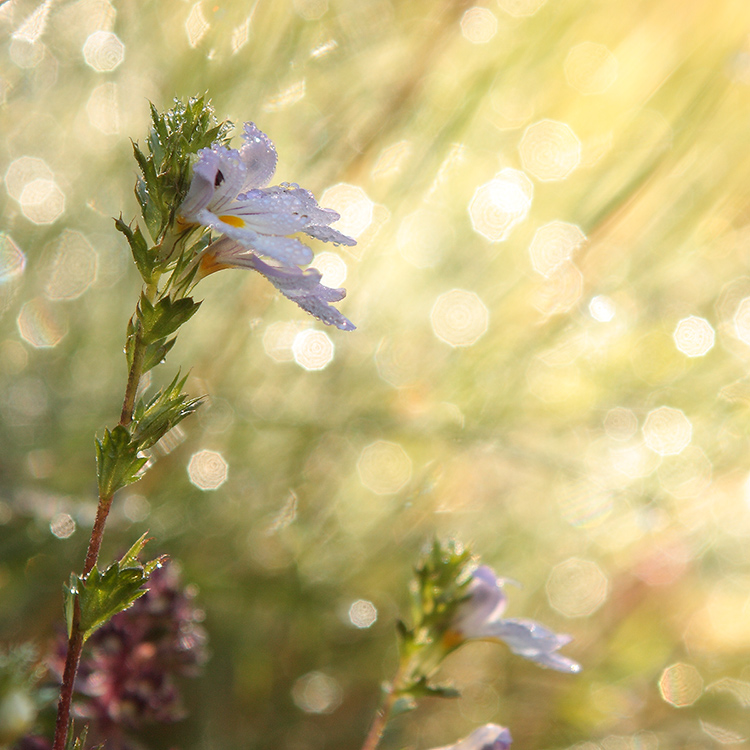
point(228, 194)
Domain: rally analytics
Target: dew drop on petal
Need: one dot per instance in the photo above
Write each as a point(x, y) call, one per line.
point(312, 349)
point(459, 317)
point(362, 614)
point(681, 685)
point(550, 150)
point(207, 470)
point(667, 431)
point(384, 467)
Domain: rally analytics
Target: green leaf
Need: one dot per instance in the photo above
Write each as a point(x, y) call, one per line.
point(69, 597)
point(144, 260)
point(156, 353)
point(117, 461)
point(103, 595)
point(76, 743)
point(403, 705)
point(153, 419)
point(169, 315)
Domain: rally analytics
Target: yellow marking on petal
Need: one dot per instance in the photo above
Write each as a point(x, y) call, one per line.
point(234, 221)
point(452, 638)
point(208, 265)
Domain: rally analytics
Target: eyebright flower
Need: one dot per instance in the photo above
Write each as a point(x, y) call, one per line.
point(488, 737)
point(479, 617)
point(228, 194)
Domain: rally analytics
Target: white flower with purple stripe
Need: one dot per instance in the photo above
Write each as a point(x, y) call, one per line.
point(228, 194)
point(479, 617)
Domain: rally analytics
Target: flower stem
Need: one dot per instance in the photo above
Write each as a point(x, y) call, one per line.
point(379, 723)
point(75, 641)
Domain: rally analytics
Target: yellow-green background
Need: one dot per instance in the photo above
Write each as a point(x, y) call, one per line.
point(506, 437)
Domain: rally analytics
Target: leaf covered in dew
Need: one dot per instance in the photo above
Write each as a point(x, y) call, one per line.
point(101, 595)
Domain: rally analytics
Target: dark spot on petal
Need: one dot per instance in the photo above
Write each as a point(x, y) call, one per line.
point(219, 178)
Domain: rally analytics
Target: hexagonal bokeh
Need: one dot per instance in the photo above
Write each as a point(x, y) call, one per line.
point(207, 470)
point(384, 467)
point(550, 150)
point(694, 336)
point(681, 685)
point(577, 588)
point(459, 317)
point(553, 244)
point(352, 203)
point(103, 51)
point(312, 349)
point(42, 201)
point(667, 431)
point(499, 205)
point(478, 25)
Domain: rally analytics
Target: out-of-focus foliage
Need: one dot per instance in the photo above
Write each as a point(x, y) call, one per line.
point(552, 296)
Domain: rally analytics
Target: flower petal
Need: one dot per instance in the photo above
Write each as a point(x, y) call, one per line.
point(488, 737)
point(486, 601)
point(533, 641)
point(259, 157)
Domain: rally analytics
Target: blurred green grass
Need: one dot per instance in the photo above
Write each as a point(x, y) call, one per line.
point(509, 443)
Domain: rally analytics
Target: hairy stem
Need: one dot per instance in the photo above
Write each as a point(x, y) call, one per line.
point(75, 641)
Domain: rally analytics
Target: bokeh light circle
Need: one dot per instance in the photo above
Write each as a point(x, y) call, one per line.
point(332, 268)
point(207, 470)
point(478, 25)
point(317, 693)
point(384, 467)
point(62, 526)
point(620, 424)
point(73, 267)
point(550, 150)
point(681, 685)
point(694, 336)
point(103, 51)
point(40, 324)
point(353, 205)
point(577, 588)
point(459, 317)
point(499, 205)
point(362, 614)
point(667, 431)
point(312, 349)
point(42, 201)
point(553, 244)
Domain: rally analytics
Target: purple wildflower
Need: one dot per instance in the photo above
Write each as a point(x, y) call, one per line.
point(227, 194)
point(488, 737)
point(479, 617)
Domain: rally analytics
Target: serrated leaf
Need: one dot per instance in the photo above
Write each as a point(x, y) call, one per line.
point(156, 353)
point(169, 315)
point(117, 461)
point(144, 259)
point(103, 595)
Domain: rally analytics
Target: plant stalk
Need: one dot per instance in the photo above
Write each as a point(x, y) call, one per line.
point(75, 641)
point(379, 723)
